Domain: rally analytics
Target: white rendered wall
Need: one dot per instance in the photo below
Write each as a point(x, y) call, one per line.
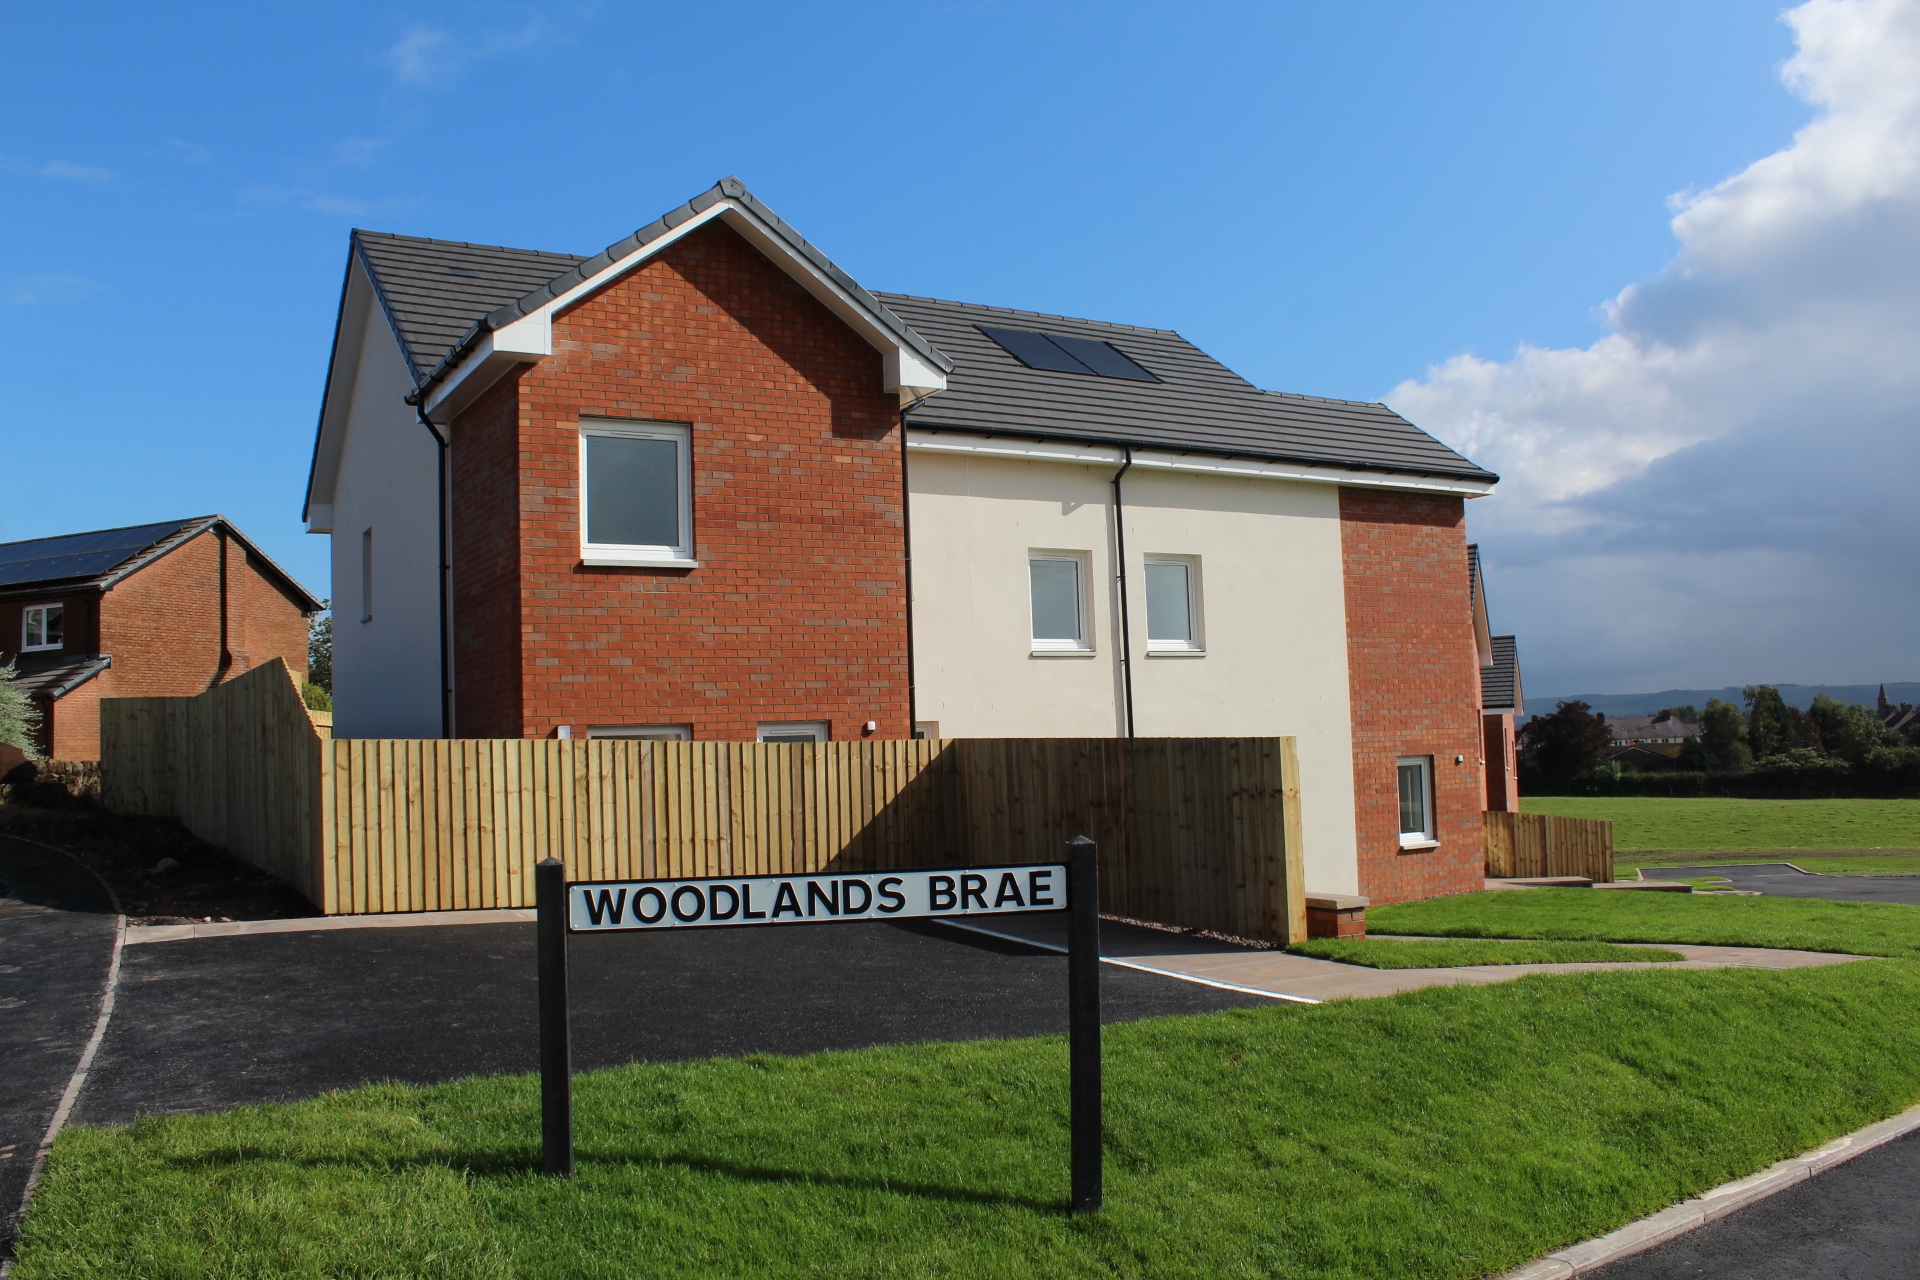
point(1273, 609)
point(386, 673)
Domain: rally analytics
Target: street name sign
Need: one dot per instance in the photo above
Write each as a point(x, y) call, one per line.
point(813, 899)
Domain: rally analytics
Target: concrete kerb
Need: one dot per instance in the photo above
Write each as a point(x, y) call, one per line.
point(1711, 1206)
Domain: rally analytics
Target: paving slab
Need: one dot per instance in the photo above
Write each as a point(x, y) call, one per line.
point(1291, 977)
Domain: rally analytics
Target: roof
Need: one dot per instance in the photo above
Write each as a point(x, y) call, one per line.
point(96, 560)
point(1671, 729)
point(1500, 683)
point(441, 296)
point(1198, 404)
point(51, 677)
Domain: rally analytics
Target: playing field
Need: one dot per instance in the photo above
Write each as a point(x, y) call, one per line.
point(1744, 826)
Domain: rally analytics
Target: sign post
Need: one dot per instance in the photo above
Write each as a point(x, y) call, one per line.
point(718, 901)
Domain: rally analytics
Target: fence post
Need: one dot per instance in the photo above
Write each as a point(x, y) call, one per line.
point(1083, 1020)
point(556, 1058)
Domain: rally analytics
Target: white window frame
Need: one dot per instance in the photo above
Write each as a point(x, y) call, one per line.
point(1195, 645)
point(926, 729)
point(818, 728)
point(1056, 648)
point(42, 609)
point(614, 554)
point(1425, 839)
point(644, 732)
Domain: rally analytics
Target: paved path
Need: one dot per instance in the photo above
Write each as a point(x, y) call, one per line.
point(56, 941)
point(1303, 978)
point(1854, 1222)
point(208, 1022)
point(1779, 880)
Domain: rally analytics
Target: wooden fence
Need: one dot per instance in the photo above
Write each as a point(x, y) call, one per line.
point(1537, 844)
point(1197, 832)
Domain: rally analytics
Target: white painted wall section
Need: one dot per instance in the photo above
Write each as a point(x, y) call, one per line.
point(1273, 612)
point(386, 671)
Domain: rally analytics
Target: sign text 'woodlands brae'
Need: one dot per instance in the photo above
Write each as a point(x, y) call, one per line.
point(883, 895)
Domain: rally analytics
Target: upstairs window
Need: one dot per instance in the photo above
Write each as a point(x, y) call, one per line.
point(1056, 582)
point(40, 627)
point(636, 493)
point(1173, 604)
point(1063, 354)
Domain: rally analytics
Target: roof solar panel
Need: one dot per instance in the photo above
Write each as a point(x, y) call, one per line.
point(1103, 358)
point(1034, 350)
point(78, 555)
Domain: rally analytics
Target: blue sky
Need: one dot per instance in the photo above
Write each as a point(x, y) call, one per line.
point(1333, 199)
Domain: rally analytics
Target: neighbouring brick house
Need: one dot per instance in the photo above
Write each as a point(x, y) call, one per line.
point(167, 609)
point(1501, 702)
point(704, 485)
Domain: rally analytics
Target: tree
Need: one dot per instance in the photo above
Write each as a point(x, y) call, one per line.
point(1722, 741)
point(1770, 723)
point(1567, 743)
point(1848, 730)
point(1686, 713)
point(320, 648)
point(19, 718)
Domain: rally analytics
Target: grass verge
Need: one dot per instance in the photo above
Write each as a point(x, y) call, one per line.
point(1425, 953)
point(1659, 822)
point(1447, 1132)
point(1801, 924)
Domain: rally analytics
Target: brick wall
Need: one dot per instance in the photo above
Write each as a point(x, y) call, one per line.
point(1415, 679)
point(1501, 753)
point(797, 610)
point(484, 505)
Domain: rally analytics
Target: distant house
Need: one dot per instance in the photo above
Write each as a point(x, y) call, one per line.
point(1500, 698)
point(1660, 732)
point(165, 609)
point(1897, 718)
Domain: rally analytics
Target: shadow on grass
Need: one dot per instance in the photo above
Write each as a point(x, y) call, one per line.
point(511, 1166)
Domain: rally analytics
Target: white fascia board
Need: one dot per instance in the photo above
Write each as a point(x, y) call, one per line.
point(528, 340)
point(356, 313)
point(1158, 460)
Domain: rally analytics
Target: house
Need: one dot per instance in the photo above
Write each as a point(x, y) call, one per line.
point(1900, 718)
point(168, 609)
point(1662, 733)
point(705, 485)
point(1500, 699)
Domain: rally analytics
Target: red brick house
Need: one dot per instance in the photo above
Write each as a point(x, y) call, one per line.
point(167, 610)
point(704, 485)
point(1500, 698)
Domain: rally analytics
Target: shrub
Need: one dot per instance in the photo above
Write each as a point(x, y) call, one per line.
point(19, 718)
point(316, 698)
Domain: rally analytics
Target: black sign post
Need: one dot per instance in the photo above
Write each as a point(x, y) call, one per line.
point(802, 899)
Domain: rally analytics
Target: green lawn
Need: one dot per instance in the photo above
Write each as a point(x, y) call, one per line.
point(1655, 822)
point(1450, 1132)
point(1388, 953)
point(1803, 924)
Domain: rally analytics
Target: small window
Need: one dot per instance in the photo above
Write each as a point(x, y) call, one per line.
point(366, 576)
point(636, 493)
point(1416, 800)
point(806, 731)
point(924, 729)
point(1057, 585)
point(645, 732)
point(41, 626)
point(1173, 605)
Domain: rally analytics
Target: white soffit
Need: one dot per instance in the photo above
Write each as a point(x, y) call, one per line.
point(356, 310)
point(1163, 460)
point(530, 338)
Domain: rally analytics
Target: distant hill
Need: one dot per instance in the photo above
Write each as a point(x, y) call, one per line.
point(1645, 704)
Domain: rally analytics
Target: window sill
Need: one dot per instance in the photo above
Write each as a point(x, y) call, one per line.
point(41, 648)
point(603, 560)
point(1176, 653)
point(1063, 653)
point(1414, 846)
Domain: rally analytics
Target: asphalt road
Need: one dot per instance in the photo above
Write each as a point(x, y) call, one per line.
point(212, 1022)
point(1779, 880)
point(1857, 1221)
point(56, 941)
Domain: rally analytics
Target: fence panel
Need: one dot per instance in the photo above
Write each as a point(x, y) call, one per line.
point(1525, 845)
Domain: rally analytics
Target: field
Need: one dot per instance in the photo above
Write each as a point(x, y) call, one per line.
point(1451, 1132)
point(1453, 953)
point(1744, 827)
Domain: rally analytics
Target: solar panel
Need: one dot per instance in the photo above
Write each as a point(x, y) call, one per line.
point(77, 555)
point(1034, 350)
point(1103, 358)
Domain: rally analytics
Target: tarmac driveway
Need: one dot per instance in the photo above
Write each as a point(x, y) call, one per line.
point(1779, 880)
point(56, 941)
point(205, 1023)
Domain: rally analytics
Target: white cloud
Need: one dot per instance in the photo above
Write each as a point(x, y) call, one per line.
point(1722, 489)
point(76, 172)
point(27, 290)
point(429, 57)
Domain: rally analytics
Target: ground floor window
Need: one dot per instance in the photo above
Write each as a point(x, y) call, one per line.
point(644, 732)
point(804, 731)
point(1416, 800)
